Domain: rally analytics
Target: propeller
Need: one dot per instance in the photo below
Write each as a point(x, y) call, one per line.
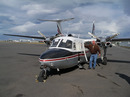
point(103, 39)
point(47, 39)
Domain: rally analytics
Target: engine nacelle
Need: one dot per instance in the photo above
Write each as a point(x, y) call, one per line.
point(108, 44)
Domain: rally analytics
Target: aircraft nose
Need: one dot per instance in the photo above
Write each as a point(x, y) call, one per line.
point(55, 53)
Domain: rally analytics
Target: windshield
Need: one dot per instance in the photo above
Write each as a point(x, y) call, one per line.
point(66, 43)
point(55, 42)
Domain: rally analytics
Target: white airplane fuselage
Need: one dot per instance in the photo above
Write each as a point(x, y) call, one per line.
point(65, 52)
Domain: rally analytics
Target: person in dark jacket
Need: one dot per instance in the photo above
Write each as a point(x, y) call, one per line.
point(94, 49)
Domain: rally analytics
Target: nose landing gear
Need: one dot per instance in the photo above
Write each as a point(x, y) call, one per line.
point(43, 74)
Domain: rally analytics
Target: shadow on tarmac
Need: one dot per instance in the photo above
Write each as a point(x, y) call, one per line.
point(55, 72)
point(125, 77)
point(29, 54)
point(118, 61)
point(110, 60)
point(63, 71)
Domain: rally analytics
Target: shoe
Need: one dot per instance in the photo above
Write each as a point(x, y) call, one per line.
point(93, 67)
point(89, 68)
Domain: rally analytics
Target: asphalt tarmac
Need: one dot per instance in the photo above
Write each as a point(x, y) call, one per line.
point(19, 67)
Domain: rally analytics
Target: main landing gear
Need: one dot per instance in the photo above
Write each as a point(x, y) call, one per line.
point(104, 61)
point(104, 58)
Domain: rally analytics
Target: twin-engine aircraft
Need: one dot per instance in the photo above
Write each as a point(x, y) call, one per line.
point(67, 51)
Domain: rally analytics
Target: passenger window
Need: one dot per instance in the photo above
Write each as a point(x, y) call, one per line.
point(69, 44)
point(74, 46)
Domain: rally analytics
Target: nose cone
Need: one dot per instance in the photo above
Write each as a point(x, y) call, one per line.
point(55, 53)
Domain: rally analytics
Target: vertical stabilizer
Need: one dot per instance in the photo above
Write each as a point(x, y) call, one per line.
point(59, 28)
point(93, 29)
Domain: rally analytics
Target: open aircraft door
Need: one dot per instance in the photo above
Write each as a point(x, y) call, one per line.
point(86, 50)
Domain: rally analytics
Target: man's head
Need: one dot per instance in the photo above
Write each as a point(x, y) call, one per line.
point(93, 42)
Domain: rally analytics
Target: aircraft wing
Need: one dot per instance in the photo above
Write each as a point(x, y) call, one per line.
point(121, 39)
point(36, 37)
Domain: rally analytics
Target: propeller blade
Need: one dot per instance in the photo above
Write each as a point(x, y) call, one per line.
point(93, 35)
point(41, 34)
point(109, 38)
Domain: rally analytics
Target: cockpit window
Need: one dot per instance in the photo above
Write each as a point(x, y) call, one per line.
point(66, 43)
point(55, 42)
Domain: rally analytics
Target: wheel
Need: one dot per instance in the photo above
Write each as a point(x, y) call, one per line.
point(104, 61)
point(42, 76)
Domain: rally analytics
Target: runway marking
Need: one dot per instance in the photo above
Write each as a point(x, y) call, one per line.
point(44, 81)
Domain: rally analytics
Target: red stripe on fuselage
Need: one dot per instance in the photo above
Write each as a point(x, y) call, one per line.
point(63, 58)
point(58, 59)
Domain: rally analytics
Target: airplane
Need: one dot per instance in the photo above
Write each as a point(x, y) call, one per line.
point(67, 51)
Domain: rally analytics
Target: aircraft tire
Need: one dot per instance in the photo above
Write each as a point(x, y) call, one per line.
point(43, 74)
point(104, 61)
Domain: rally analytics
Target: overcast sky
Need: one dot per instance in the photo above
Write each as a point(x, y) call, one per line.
point(21, 17)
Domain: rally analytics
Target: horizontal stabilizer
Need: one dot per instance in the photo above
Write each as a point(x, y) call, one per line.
point(58, 20)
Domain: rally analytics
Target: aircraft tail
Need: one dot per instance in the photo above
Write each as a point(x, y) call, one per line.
point(59, 28)
point(93, 29)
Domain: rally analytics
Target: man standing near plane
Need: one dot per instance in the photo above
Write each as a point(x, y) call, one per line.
point(94, 49)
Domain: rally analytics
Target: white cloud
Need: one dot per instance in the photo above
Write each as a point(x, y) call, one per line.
point(23, 28)
point(74, 27)
point(33, 9)
point(105, 26)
